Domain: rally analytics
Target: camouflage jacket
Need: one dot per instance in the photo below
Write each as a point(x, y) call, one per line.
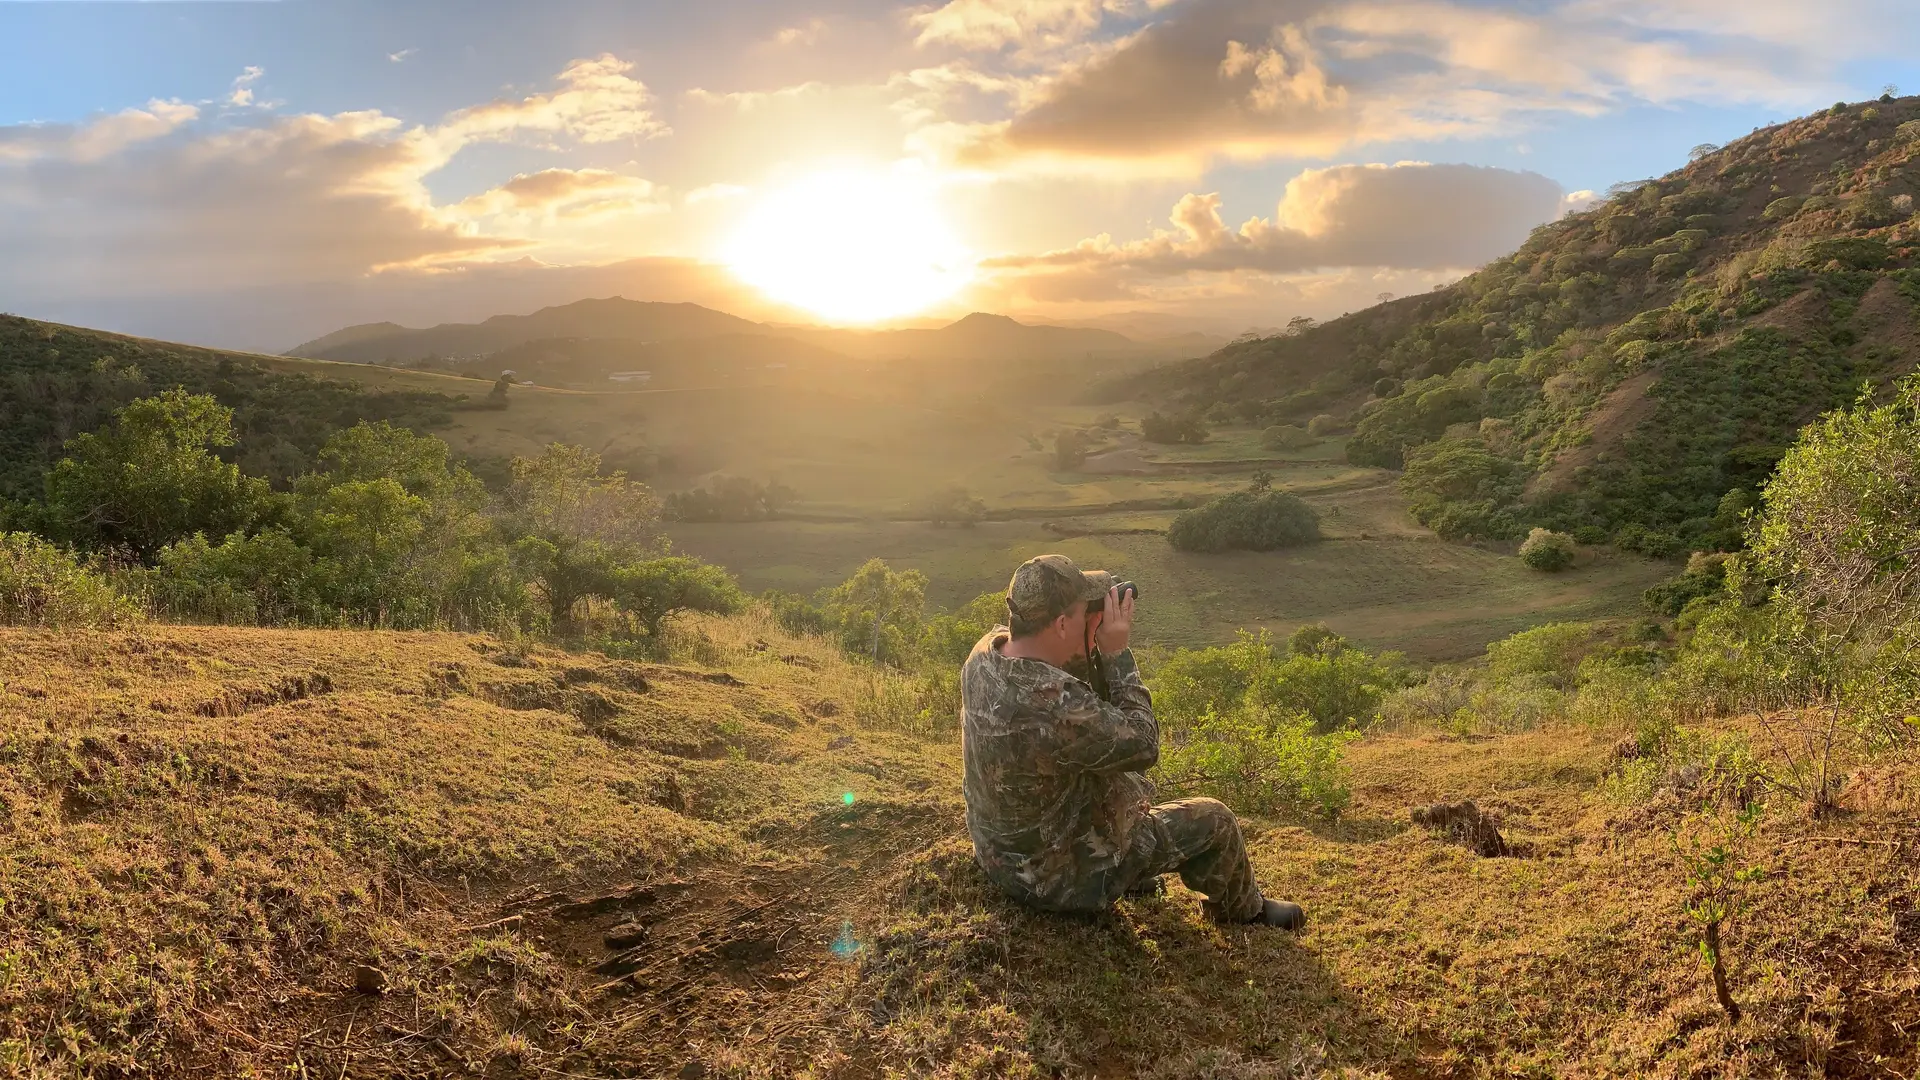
point(1052, 782)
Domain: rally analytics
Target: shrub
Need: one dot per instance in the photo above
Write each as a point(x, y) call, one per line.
point(648, 592)
point(1286, 437)
point(1323, 425)
point(1185, 428)
point(1549, 655)
point(1386, 388)
point(41, 585)
point(1329, 683)
point(1547, 551)
point(1246, 521)
point(954, 505)
point(1257, 764)
point(729, 498)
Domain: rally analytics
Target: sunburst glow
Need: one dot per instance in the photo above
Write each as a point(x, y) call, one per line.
point(851, 246)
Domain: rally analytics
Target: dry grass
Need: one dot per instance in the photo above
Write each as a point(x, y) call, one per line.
point(206, 830)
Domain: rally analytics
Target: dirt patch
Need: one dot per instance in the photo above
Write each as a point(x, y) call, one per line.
point(1623, 410)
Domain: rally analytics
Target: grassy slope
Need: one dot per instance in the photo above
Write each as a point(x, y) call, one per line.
point(208, 827)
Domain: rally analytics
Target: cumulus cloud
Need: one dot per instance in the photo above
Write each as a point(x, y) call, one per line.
point(1410, 216)
point(147, 200)
point(1257, 78)
point(242, 93)
point(566, 193)
point(598, 102)
point(97, 139)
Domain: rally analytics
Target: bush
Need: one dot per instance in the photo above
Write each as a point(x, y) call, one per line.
point(1323, 425)
point(954, 505)
point(646, 593)
point(729, 498)
point(1548, 655)
point(1548, 551)
point(1257, 764)
point(1329, 683)
point(1286, 437)
point(1246, 521)
point(1185, 428)
point(41, 585)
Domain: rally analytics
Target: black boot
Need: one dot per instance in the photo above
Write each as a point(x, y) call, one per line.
point(1281, 913)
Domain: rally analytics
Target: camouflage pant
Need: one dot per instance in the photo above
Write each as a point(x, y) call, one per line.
point(1199, 838)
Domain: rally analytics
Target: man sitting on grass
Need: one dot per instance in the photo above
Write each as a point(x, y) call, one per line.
point(1060, 817)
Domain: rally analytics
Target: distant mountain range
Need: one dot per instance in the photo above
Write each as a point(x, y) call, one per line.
point(670, 332)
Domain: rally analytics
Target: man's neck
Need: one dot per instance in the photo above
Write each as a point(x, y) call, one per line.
point(1035, 649)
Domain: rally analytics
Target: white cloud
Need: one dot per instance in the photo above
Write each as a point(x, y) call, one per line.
point(1412, 216)
point(147, 200)
point(398, 57)
point(568, 193)
point(598, 103)
point(242, 93)
point(992, 24)
point(97, 139)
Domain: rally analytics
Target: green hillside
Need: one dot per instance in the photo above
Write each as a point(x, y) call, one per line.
point(1635, 370)
point(59, 381)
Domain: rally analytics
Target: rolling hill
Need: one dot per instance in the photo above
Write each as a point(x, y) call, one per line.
point(978, 336)
point(1634, 371)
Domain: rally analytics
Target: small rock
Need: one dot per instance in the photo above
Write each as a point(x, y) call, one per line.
point(368, 979)
point(693, 1070)
point(626, 935)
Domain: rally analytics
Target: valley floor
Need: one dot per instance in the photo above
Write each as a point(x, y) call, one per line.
point(240, 852)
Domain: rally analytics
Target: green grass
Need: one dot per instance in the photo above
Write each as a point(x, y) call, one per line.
point(1435, 601)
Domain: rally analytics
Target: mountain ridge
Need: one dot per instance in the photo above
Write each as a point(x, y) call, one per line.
point(644, 321)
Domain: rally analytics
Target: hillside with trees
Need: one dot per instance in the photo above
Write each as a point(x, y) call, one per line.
point(58, 382)
point(1633, 372)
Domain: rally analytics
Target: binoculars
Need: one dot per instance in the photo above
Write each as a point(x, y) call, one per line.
point(1126, 589)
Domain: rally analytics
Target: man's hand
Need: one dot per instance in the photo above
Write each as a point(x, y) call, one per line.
point(1116, 627)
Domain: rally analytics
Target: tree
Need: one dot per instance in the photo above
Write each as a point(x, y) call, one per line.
point(150, 478)
point(391, 523)
point(1069, 450)
point(650, 591)
point(1187, 427)
point(1839, 542)
point(878, 612)
point(575, 526)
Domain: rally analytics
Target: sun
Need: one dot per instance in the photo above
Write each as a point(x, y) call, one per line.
point(851, 246)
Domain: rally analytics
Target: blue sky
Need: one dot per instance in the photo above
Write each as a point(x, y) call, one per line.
point(160, 187)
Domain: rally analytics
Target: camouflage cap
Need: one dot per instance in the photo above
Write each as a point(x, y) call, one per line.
point(1048, 586)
